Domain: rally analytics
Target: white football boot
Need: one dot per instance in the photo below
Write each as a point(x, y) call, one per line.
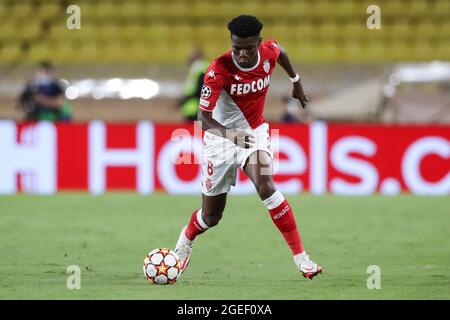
point(307, 267)
point(184, 249)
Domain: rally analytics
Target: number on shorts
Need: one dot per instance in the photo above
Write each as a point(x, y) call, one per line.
point(210, 168)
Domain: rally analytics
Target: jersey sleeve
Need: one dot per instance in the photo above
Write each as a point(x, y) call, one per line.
point(273, 48)
point(213, 83)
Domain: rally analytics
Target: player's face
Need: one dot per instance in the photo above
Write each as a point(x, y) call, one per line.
point(245, 50)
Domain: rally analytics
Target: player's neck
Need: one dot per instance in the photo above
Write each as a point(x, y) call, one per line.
point(253, 64)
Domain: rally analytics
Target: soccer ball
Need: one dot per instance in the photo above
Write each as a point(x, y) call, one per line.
point(162, 266)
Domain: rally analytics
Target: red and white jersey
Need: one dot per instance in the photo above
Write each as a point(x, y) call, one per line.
point(236, 95)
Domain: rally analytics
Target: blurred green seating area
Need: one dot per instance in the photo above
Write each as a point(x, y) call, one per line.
point(165, 31)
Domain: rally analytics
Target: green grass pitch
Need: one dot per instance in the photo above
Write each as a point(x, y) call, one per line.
point(244, 257)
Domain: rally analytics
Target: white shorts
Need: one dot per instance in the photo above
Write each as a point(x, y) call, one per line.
point(221, 158)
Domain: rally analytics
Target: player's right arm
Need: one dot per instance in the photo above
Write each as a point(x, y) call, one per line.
point(238, 137)
point(214, 82)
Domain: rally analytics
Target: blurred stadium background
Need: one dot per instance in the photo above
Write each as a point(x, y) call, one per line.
point(350, 72)
point(384, 96)
point(128, 62)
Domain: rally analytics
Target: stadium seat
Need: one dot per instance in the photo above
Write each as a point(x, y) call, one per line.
point(38, 53)
point(154, 9)
point(426, 28)
point(139, 53)
point(297, 9)
point(353, 30)
point(374, 50)
point(302, 52)
point(3, 10)
point(179, 32)
point(253, 7)
point(225, 8)
point(397, 51)
point(330, 30)
point(280, 32)
point(423, 50)
point(442, 51)
point(158, 33)
point(177, 9)
point(275, 8)
point(322, 8)
point(351, 51)
point(11, 53)
point(302, 32)
point(399, 29)
point(21, 11)
point(393, 8)
point(441, 8)
point(29, 31)
point(444, 28)
point(49, 10)
point(8, 29)
point(110, 32)
point(345, 9)
point(418, 7)
point(326, 50)
point(65, 53)
point(130, 9)
point(107, 9)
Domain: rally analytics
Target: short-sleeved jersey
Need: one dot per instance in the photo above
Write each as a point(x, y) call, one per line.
point(236, 95)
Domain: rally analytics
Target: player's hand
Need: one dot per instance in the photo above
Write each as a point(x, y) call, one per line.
point(298, 93)
point(242, 139)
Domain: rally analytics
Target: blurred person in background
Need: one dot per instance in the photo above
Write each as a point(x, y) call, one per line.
point(294, 113)
point(43, 97)
point(290, 111)
point(193, 85)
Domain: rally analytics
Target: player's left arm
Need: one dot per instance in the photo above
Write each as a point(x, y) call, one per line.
point(297, 90)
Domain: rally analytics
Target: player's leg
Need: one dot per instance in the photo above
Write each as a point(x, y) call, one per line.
point(218, 174)
point(207, 216)
point(259, 170)
point(201, 220)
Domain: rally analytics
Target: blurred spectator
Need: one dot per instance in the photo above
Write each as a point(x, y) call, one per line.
point(193, 85)
point(294, 113)
point(43, 97)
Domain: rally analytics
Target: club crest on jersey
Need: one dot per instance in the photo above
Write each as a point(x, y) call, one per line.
point(266, 66)
point(206, 92)
point(212, 74)
point(254, 86)
point(208, 184)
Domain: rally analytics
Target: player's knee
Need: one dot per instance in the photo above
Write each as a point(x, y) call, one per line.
point(212, 218)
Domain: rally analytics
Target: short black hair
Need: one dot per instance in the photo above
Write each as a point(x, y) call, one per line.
point(46, 65)
point(245, 26)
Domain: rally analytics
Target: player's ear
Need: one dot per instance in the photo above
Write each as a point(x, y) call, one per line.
point(259, 41)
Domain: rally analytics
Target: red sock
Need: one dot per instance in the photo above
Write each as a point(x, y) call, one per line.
point(196, 225)
point(283, 217)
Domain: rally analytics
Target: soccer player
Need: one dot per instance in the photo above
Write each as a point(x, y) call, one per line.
point(231, 113)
